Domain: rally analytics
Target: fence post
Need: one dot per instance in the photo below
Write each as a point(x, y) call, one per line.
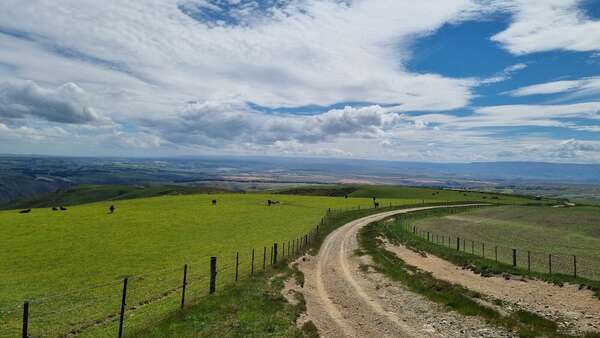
point(183, 285)
point(264, 258)
point(427, 236)
point(574, 266)
point(282, 249)
point(252, 265)
point(25, 320)
point(528, 261)
point(213, 275)
point(457, 243)
point(483, 249)
point(550, 263)
point(288, 253)
point(496, 252)
point(271, 256)
point(514, 254)
point(274, 253)
point(237, 265)
point(472, 247)
point(464, 245)
point(122, 314)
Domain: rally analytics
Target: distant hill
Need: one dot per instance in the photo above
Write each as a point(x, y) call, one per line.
point(96, 193)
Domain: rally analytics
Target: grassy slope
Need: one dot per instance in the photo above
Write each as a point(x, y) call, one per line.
point(453, 296)
point(388, 191)
point(48, 252)
point(94, 193)
point(569, 231)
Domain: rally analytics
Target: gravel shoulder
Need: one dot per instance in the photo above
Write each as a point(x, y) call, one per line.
point(575, 310)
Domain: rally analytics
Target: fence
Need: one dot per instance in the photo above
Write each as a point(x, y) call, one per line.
point(584, 266)
point(136, 300)
point(140, 298)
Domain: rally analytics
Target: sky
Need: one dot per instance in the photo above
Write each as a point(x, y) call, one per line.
point(434, 81)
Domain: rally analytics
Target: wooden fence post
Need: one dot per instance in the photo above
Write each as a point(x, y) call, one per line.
point(550, 263)
point(264, 258)
point(183, 285)
point(457, 243)
point(213, 275)
point(271, 256)
point(528, 261)
point(483, 249)
point(514, 255)
point(496, 252)
point(123, 304)
point(274, 253)
point(472, 247)
point(282, 249)
point(252, 264)
point(574, 266)
point(237, 265)
point(25, 330)
point(427, 236)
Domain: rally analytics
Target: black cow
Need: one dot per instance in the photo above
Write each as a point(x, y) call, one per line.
point(214, 202)
point(25, 211)
point(111, 209)
point(346, 196)
point(54, 209)
point(376, 204)
point(63, 208)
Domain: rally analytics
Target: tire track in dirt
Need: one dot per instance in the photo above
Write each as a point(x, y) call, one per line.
point(344, 301)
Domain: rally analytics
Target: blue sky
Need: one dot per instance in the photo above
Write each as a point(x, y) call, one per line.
point(447, 80)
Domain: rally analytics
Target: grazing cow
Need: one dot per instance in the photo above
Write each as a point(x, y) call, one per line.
point(346, 196)
point(63, 208)
point(54, 209)
point(25, 211)
point(214, 202)
point(111, 209)
point(376, 204)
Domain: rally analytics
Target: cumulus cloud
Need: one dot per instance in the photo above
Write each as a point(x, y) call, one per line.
point(64, 104)
point(544, 25)
point(217, 122)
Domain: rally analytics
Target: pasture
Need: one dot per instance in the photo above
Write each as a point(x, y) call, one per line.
point(71, 263)
point(542, 230)
point(400, 192)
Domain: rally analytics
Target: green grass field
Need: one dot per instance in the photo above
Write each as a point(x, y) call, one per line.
point(389, 191)
point(49, 255)
point(542, 230)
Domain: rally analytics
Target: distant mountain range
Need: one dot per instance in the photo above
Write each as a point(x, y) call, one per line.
point(26, 176)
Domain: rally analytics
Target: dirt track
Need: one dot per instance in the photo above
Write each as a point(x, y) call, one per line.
point(343, 301)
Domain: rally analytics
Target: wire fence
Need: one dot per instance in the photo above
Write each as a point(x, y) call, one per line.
point(74, 312)
point(137, 300)
point(585, 266)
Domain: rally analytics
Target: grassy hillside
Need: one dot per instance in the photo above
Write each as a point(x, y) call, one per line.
point(82, 194)
point(50, 252)
point(563, 232)
point(389, 191)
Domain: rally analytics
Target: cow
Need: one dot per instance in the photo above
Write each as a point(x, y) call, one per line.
point(214, 202)
point(346, 196)
point(376, 204)
point(25, 211)
point(269, 202)
point(111, 209)
point(54, 209)
point(62, 208)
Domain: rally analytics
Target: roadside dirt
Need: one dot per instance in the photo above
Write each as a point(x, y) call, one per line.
point(344, 301)
point(575, 310)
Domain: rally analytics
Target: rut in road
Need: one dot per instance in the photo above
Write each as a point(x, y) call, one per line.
point(344, 301)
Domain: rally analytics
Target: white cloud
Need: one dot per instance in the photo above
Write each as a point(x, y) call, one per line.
point(64, 104)
point(544, 25)
point(505, 74)
point(581, 87)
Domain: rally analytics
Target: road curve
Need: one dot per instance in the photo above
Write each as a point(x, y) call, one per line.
point(343, 303)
